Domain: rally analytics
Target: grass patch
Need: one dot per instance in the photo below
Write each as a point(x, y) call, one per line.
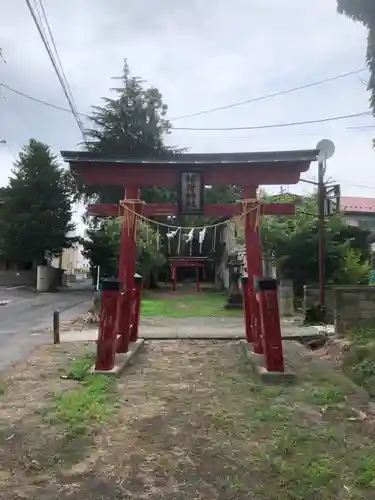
point(80, 367)
point(366, 473)
point(2, 388)
point(197, 424)
point(300, 452)
point(201, 304)
point(326, 395)
point(92, 402)
point(359, 362)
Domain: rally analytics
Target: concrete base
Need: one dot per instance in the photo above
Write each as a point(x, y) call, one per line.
point(275, 378)
point(235, 300)
point(272, 378)
point(234, 305)
point(122, 360)
point(198, 329)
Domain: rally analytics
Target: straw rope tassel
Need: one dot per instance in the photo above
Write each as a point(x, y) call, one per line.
point(214, 239)
point(157, 238)
point(130, 214)
point(258, 214)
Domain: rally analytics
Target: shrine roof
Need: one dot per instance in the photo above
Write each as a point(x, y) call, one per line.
point(270, 157)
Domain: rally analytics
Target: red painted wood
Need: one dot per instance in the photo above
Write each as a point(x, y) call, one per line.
point(271, 330)
point(168, 175)
point(246, 306)
point(106, 347)
point(187, 262)
point(122, 328)
point(136, 308)
point(254, 269)
point(128, 255)
point(103, 210)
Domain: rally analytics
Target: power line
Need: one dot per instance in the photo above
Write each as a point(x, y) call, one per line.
point(55, 66)
point(61, 108)
point(275, 125)
point(269, 96)
point(361, 127)
point(40, 101)
point(44, 15)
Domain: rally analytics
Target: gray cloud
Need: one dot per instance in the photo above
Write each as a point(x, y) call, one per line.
point(200, 54)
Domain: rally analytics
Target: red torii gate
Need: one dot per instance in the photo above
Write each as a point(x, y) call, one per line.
point(187, 262)
point(189, 173)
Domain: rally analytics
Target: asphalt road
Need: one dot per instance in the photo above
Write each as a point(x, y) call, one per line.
point(26, 317)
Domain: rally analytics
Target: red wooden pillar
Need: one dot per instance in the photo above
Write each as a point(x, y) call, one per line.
point(106, 347)
point(123, 340)
point(128, 256)
point(266, 289)
point(254, 264)
point(246, 307)
point(197, 277)
point(136, 308)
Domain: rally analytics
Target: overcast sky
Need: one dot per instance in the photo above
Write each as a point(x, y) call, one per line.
point(201, 54)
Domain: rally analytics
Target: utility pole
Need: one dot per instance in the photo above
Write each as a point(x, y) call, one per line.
point(326, 150)
point(321, 233)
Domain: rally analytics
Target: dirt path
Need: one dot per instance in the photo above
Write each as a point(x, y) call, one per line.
point(192, 422)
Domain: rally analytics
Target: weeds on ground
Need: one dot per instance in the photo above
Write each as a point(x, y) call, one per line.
point(302, 442)
point(359, 362)
point(92, 402)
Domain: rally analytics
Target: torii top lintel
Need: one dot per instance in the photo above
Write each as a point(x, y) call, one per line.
point(241, 169)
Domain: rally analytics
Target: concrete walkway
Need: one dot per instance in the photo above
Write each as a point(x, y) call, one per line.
point(198, 328)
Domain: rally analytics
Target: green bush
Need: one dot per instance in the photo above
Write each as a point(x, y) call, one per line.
point(359, 361)
point(315, 314)
point(354, 270)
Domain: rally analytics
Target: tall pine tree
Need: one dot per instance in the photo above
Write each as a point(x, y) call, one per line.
point(132, 124)
point(37, 210)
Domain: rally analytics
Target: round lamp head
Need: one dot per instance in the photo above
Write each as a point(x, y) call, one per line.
point(326, 149)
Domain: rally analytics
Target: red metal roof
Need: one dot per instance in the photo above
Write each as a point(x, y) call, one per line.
point(352, 204)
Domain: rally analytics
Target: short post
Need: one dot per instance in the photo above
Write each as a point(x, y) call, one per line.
point(136, 308)
point(56, 327)
point(107, 340)
point(266, 290)
point(246, 307)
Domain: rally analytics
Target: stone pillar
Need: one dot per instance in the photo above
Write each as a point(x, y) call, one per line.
point(286, 298)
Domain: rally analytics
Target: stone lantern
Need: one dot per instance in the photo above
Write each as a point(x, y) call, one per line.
point(235, 272)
